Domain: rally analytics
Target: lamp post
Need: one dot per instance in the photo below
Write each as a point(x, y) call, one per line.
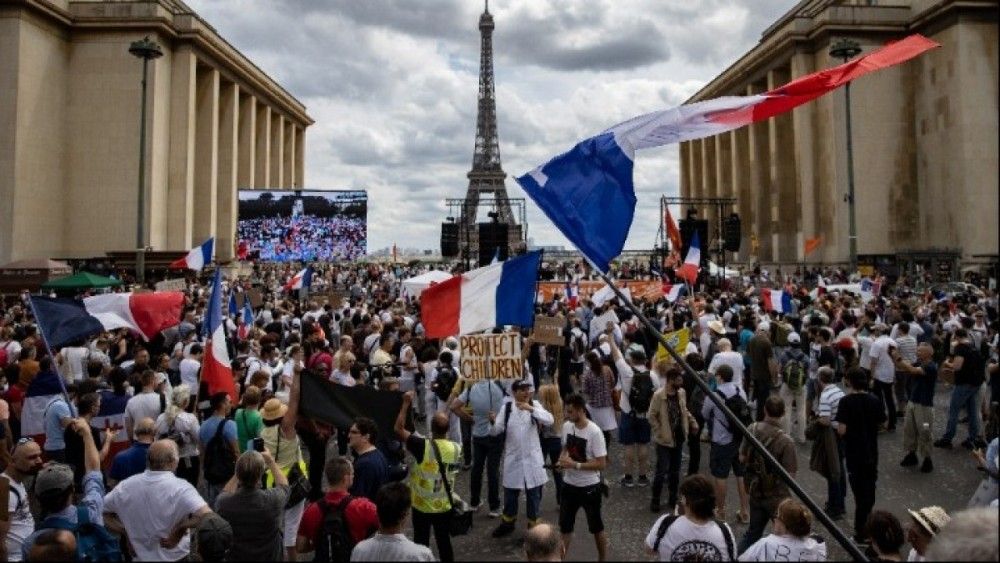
point(145, 49)
point(847, 49)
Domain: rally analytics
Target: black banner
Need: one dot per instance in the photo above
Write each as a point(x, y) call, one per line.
point(340, 405)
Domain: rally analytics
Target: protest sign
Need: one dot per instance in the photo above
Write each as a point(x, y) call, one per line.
point(549, 330)
point(256, 299)
point(491, 356)
point(176, 284)
point(678, 340)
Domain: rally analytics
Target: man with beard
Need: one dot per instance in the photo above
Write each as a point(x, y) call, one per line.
point(26, 461)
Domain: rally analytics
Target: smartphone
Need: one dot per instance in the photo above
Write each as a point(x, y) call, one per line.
point(258, 444)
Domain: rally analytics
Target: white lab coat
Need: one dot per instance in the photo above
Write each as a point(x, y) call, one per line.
point(523, 461)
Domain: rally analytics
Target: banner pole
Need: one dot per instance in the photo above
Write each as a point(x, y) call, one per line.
point(828, 523)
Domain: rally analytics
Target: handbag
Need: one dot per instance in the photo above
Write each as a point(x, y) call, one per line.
point(298, 484)
point(461, 520)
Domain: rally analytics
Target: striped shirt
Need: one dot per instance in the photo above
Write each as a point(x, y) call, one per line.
point(829, 400)
point(394, 547)
point(907, 346)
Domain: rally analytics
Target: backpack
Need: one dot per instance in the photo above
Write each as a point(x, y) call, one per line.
point(794, 374)
point(444, 383)
point(93, 542)
point(740, 408)
point(640, 395)
point(760, 479)
point(727, 534)
point(334, 542)
point(220, 463)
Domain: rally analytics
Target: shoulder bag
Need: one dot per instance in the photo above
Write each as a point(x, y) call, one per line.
point(461, 520)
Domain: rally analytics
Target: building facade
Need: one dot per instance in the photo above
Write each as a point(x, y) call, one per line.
point(70, 99)
point(924, 138)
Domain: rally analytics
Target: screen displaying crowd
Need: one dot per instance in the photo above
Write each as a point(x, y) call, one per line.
point(307, 226)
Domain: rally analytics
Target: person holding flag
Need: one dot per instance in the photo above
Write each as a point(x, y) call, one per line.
point(216, 367)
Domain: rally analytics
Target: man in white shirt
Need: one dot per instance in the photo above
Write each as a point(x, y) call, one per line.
point(26, 461)
point(189, 368)
point(634, 432)
point(156, 508)
point(523, 465)
point(146, 404)
point(584, 455)
point(726, 356)
point(72, 362)
point(884, 371)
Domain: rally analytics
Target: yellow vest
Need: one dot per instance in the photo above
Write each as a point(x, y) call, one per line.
point(288, 455)
point(428, 493)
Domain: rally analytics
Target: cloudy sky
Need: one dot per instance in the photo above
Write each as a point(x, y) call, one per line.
point(392, 86)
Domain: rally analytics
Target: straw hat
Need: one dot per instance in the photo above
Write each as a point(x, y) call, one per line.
point(717, 327)
point(931, 518)
point(273, 409)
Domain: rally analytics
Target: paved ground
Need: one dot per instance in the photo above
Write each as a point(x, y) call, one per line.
point(628, 519)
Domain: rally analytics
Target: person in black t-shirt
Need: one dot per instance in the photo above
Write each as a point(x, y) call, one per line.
point(859, 415)
point(919, 417)
point(967, 365)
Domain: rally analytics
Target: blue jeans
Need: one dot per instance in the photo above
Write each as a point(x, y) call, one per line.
point(486, 452)
point(532, 498)
point(963, 397)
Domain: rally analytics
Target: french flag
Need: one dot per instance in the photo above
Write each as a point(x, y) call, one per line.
point(692, 262)
point(300, 280)
point(776, 300)
point(112, 415)
point(246, 322)
point(588, 191)
point(672, 291)
point(45, 388)
point(572, 295)
point(495, 295)
point(216, 368)
point(63, 321)
point(196, 258)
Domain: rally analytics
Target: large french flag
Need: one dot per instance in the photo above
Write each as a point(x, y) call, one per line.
point(499, 294)
point(692, 262)
point(572, 295)
point(44, 388)
point(196, 258)
point(66, 320)
point(776, 300)
point(300, 280)
point(588, 192)
point(216, 368)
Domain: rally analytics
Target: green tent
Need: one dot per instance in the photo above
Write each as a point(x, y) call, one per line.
point(83, 280)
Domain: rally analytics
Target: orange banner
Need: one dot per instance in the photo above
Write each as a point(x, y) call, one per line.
point(649, 290)
point(812, 244)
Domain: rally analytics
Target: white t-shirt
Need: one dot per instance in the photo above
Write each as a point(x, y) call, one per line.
point(150, 505)
point(685, 540)
point(142, 406)
point(74, 362)
point(882, 366)
point(583, 445)
point(786, 548)
point(731, 359)
point(22, 524)
point(189, 374)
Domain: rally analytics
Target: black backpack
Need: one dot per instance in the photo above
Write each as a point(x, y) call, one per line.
point(727, 533)
point(220, 461)
point(640, 396)
point(334, 542)
point(740, 408)
point(444, 383)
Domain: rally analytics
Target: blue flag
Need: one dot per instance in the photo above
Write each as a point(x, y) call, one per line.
point(233, 309)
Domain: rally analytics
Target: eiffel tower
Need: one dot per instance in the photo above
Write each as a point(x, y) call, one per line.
point(487, 176)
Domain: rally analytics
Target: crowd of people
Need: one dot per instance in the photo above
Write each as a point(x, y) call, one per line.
point(304, 238)
point(189, 474)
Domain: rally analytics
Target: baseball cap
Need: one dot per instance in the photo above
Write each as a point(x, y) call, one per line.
point(520, 384)
point(53, 478)
point(794, 338)
point(764, 327)
point(931, 518)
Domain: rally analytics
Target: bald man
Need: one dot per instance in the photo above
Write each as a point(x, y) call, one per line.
point(132, 461)
point(156, 508)
point(543, 543)
point(26, 462)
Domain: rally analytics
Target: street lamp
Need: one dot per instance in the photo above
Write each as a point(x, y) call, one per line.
point(847, 49)
point(145, 49)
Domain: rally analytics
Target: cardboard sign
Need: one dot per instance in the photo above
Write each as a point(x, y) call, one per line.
point(549, 330)
point(256, 299)
point(491, 356)
point(176, 284)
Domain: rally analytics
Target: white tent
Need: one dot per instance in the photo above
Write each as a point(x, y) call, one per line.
point(415, 286)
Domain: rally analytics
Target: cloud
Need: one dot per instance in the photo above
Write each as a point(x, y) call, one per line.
point(392, 86)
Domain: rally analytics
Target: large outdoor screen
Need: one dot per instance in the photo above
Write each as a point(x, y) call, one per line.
point(307, 225)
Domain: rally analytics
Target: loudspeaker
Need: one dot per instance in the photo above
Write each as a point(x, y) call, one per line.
point(449, 240)
point(688, 228)
point(731, 235)
point(493, 238)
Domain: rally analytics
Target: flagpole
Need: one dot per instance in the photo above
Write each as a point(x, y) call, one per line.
point(773, 463)
point(45, 340)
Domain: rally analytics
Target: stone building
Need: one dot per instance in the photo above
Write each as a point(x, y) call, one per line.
point(924, 138)
point(70, 98)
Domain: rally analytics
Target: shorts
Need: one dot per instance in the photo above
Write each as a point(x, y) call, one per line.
point(633, 430)
point(575, 498)
point(722, 458)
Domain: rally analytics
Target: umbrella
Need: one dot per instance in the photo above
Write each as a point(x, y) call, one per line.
point(83, 280)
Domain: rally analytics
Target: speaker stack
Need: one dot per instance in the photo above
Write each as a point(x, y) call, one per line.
point(493, 237)
point(449, 240)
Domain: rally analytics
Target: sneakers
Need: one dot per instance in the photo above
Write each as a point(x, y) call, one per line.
point(475, 507)
point(910, 460)
point(968, 444)
point(942, 443)
point(627, 482)
point(494, 513)
point(643, 481)
point(927, 466)
point(503, 530)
